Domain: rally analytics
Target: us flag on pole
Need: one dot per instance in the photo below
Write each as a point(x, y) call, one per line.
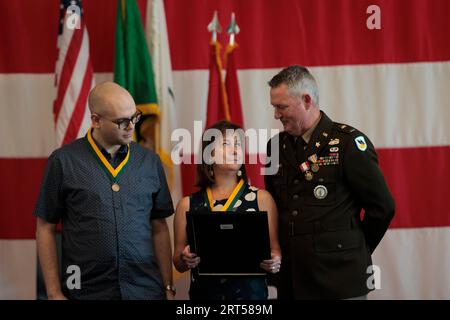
point(73, 74)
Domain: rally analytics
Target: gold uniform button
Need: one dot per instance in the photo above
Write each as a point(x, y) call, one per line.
point(115, 187)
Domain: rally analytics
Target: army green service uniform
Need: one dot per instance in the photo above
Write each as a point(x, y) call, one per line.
point(320, 191)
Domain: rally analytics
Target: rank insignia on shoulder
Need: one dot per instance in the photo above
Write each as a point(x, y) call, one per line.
point(361, 143)
point(333, 142)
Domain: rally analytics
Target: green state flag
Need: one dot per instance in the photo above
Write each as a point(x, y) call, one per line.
point(132, 63)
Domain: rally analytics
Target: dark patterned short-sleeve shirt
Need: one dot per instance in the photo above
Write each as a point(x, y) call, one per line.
point(106, 233)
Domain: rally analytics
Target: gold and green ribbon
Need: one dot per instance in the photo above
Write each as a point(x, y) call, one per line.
point(234, 197)
point(112, 173)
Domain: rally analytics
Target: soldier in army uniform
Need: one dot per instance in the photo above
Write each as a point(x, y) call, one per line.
point(327, 173)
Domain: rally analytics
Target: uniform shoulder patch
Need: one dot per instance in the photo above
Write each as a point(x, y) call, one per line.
point(361, 143)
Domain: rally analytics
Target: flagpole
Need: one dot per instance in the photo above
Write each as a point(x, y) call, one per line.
point(216, 68)
point(232, 29)
point(214, 27)
point(232, 82)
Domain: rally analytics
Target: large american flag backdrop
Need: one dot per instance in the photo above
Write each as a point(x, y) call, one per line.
point(392, 83)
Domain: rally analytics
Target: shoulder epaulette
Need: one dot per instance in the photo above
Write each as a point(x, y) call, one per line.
point(344, 128)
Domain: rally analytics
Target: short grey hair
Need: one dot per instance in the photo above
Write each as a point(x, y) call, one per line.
point(299, 80)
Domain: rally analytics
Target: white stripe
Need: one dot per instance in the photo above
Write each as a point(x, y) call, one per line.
point(102, 77)
point(191, 88)
point(414, 264)
point(63, 44)
point(26, 122)
point(17, 269)
point(86, 123)
point(396, 105)
point(26, 110)
point(73, 90)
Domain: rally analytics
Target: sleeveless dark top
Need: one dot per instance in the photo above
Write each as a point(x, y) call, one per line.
point(227, 288)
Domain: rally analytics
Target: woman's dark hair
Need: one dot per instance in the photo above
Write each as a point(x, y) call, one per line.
point(204, 177)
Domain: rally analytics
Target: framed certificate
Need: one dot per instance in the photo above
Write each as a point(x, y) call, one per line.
point(229, 243)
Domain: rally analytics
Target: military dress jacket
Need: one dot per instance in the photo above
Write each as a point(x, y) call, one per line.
point(334, 208)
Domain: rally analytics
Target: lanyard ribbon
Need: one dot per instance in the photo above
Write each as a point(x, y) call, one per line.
point(112, 173)
point(234, 197)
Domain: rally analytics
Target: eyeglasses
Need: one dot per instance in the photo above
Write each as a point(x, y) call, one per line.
point(123, 123)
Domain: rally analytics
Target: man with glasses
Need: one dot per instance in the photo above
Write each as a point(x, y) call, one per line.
point(112, 198)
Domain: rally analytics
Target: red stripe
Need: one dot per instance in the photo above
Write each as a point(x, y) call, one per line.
point(274, 33)
point(80, 108)
point(188, 176)
point(70, 60)
point(21, 50)
point(418, 189)
point(417, 178)
point(100, 17)
point(28, 36)
point(21, 179)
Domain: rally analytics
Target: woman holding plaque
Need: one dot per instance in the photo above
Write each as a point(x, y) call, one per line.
point(223, 187)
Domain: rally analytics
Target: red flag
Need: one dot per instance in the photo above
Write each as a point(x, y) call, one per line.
point(74, 75)
point(217, 108)
point(232, 86)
